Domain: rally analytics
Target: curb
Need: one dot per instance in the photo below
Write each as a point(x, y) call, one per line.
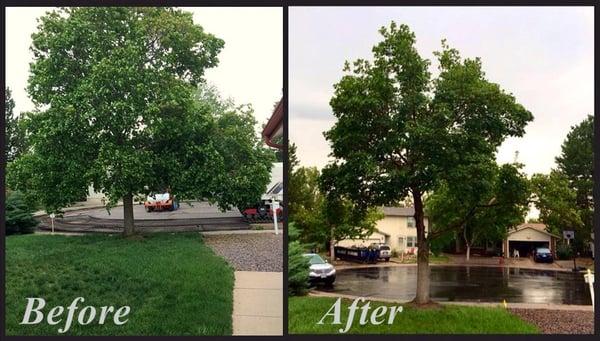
point(43, 213)
point(396, 264)
point(546, 306)
point(230, 232)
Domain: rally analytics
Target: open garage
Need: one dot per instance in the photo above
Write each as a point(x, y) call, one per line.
point(526, 237)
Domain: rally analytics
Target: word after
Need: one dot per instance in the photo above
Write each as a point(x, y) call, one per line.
point(377, 315)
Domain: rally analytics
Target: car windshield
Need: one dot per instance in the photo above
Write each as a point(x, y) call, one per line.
point(384, 247)
point(543, 250)
point(162, 196)
point(315, 259)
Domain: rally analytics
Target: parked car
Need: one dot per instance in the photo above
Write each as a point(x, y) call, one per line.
point(160, 202)
point(542, 254)
point(385, 252)
point(320, 270)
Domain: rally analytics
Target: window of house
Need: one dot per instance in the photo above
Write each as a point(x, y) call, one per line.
point(410, 222)
point(411, 241)
point(401, 242)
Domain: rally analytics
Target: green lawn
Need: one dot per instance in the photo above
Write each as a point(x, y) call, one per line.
point(305, 312)
point(433, 259)
point(174, 284)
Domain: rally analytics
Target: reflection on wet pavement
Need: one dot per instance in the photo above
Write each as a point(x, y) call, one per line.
point(461, 283)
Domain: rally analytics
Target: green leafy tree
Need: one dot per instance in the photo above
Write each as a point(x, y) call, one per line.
point(19, 215)
point(116, 92)
point(15, 141)
point(322, 216)
point(576, 162)
point(298, 265)
point(342, 218)
point(556, 202)
point(245, 163)
point(305, 201)
point(303, 192)
point(480, 209)
point(400, 132)
point(9, 120)
point(306, 208)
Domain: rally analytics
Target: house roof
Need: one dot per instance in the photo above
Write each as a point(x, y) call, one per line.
point(274, 127)
point(399, 211)
point(535, 226)
point(382, 233)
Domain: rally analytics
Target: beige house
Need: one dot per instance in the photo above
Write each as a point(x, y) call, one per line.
point(397, 229)
point(526, 237)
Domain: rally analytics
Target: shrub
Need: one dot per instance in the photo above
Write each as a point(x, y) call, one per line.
point(564, 251)
point(19, 217)
point(297, 270)
point(394, 253)
point(293, 232)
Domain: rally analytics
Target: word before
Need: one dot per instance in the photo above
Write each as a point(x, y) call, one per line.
point(336, 312)
point(86, 314)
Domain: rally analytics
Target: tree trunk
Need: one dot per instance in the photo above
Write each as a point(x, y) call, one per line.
point(457, 247)
point(128, 215)
point(467, 244)
point(332, 245)
point(422, 252)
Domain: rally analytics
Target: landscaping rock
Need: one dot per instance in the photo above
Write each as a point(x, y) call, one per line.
point(249, 252)
point(558, 321)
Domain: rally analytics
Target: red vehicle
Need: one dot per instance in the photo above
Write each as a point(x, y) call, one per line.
point(160, 202)
point(261, 213)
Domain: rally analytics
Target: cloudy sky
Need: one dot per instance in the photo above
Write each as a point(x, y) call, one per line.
point(544, 56)
point(250, 68)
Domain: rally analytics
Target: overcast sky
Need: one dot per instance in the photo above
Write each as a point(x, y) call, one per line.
point(250, 65)
point(544, 56)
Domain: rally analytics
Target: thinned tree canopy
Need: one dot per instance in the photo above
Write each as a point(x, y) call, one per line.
point(399, 130)
point(118, 107)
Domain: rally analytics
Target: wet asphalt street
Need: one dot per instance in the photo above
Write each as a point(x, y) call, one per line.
point(461, 283)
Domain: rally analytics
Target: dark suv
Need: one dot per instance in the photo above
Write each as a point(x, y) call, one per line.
point(543, 254)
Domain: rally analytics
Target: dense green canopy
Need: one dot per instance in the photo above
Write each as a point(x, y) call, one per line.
point(118, 107)
point(14, 138)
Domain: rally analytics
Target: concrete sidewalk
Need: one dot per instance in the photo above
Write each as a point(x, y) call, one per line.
point(258, 303)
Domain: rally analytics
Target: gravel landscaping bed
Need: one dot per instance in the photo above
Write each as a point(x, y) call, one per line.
point(249, 252)
point(558, 321)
